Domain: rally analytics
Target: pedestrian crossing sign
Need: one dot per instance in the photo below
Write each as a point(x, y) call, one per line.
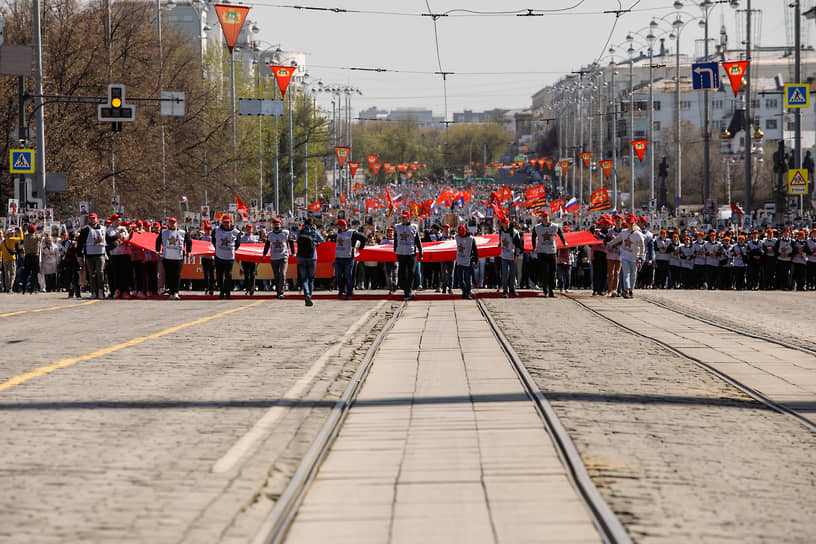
point(21, 161)
point(798, 182)
point(797, 95)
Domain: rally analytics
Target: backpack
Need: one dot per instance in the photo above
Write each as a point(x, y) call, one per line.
point(305, 245)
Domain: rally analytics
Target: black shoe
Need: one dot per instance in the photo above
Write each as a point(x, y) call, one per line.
point(280, 297)
point(551, 294)
point(504, 295)
point(348, 297)
point(309, 301)
point(229, 296)
point(468, 297)
point(220, 296)
point(514, 293)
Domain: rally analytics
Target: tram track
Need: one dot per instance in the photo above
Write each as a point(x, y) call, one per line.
point(278, 523)
point(740, 385)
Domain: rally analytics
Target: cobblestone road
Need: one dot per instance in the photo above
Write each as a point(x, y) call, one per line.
point(120, 447)
point(679, 455)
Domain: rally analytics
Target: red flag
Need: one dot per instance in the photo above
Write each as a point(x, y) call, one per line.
point(402, 167)
point(342, 198)
point(640, 148)
point(315, 207)
point(342, 153)
point(372, 159)
point(735, 71)
point(548, 162)
point(558, 204)
point(564, 166)
point(282, 75)
point(736, 209)
point(606, 166)
point(377, 167)
point(353, 166)
point(240, 203)
point(535, 193)
point(232, 18)
point(498, 211)
point(586, 156)
point(414, 166)
point(599, 200)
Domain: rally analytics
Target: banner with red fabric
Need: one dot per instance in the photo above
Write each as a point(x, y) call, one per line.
point(342, 153)
point(353, 166)
point(371, 160)
point(232, 18)
point(586, 156)
point(640, 148)
point(283, 74)
point(606, 166)
point(735, 71)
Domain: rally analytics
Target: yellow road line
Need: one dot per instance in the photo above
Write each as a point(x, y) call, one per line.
point(47, 309)
point(17, 380)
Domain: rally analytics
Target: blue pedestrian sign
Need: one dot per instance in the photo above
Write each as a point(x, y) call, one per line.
point(677, 201)
point(797, 95)
point(705, 75)
point(21, 161)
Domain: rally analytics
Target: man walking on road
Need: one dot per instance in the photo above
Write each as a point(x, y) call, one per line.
point(408, 248)
point(91, 245)
point(172, 244)
point(467, 256)
point(307, 241)
point(226, 240)
point(512, 246)
point(346, 243)
point(277, 246)
point(544, 245)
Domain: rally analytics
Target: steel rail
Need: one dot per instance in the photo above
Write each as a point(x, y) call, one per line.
point(751, 392)
point(274, 529)
point(607, 523)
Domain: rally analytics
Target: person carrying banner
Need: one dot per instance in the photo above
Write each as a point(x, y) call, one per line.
point(345, 246)
point(613, 259)
point(172, 244)
point(467, 256)
point(512, 246)
point(307, 241)
point(91, 245)
point(408, 248)
point(544, 245)
point(249, 268)
point(632, 251)
point(226, 240)
point(206, 261)
point(278, 246)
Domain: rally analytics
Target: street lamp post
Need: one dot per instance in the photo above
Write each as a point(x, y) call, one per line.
point(631, 52)
point(677, 25)
point(651, 143)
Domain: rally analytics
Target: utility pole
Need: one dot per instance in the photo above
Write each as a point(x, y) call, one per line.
point(38, 103)
point(747, 76)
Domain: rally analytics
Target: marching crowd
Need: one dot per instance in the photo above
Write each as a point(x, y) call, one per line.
point(99, 260)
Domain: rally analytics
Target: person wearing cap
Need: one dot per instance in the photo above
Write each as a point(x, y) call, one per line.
point(207, 261)
point(662, 250)
point(117, 269)
point(249, 268)
point(346, 241)
point(307, 241)
point(700, 268)
point(512, 245)
point(31, 263)
point(92, 246)
point(769, 260)
point(71, 265)
point(467, 257)
point(8, 249)
point(632, 252)
point(811, 261)
point(613, 259)
point(784, 255)
point(754, 261)
point(565, 261)
point(390, 268)
point(801, 252)
point(408, 248)
point(544, 246)
point(739, 261)
point(726, 263)
point(646, 273)
point(445, 267)
point(675, 279)
point(173, 244)
point(226, 239)
point(713, 251)
point(278, 246)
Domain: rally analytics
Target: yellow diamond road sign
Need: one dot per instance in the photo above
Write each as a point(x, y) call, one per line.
point(797, 182)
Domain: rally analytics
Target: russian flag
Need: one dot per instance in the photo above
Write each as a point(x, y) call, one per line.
point(571, 205)
point(397, 198)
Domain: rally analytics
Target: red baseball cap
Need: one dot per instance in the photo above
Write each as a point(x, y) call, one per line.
point(461, 230)
point(405, 213)
point(341, 223)
point(276, 221)
point(93, 216)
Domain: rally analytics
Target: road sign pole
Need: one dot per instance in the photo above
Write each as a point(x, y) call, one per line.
point(797, 159)
point(39, 170)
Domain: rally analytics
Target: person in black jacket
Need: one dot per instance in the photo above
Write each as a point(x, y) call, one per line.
point(512, 245)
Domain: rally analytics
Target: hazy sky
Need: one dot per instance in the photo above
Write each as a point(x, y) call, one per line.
point(498, 60)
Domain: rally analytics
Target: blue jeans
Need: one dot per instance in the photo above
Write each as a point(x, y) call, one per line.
point(628, 274)
point(306, 272)
point(508, 275)
point(564, 275)
point(344, 274)
point(463, 276)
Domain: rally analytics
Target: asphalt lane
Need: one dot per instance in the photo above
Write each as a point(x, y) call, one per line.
point(120, 444)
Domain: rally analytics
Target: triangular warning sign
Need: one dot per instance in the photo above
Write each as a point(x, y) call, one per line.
point(283, 74)
point(798, 180)
point(232, 19)
point(22, 162)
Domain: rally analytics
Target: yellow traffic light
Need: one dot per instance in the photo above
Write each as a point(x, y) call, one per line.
point(116, 102)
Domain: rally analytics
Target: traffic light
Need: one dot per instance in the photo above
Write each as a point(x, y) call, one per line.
point(116, 110)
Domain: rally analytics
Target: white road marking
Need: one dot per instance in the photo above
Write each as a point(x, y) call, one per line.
point(264, 426)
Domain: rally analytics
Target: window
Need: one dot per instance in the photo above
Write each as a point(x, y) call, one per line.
point(685, 104)
point(755, 103)
point(657, 105)
point(770, 124)
point(657, 125)
point(717, 104)
point(771, 104)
